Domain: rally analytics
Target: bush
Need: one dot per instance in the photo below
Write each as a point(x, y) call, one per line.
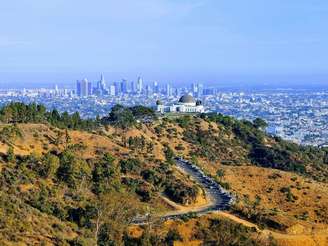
point(180, 147)
point(120, 117)
point(171, 236)
point(179, 192)
point(72, 170)
point(49, 166)
point(169, 154)
point(143, 113)
point(130, 166)
point(105, 175)
point(144, 192)
point(184, 121)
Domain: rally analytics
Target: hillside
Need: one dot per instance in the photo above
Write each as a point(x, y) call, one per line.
point(73, 180)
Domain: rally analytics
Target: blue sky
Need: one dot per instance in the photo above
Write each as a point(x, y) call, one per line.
point(211, 41)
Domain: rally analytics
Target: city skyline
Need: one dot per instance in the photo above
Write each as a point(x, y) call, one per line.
point(236, 83)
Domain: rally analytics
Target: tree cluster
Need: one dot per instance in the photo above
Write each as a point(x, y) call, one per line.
point(120, 116)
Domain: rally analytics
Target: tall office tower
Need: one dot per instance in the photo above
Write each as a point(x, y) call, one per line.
point(149, 90)
point(124, 86)
point(78, 88)
point(139, 85)
point(194, 89)
point(200, 90)
point(101, 86)
point(155, 87)
point(117, 88)
point(132, 87)
point(89, 88)
point(112, 90)
point(83, 88)
point(168, 90)
point(176, 92)
point(102, 83)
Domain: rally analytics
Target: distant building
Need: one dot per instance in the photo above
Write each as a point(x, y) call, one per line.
point(194, 89)
point(101, 86)
point(168, 90)
point(112, 90)
point(139, 85)
point(78, 88)
point(149, 90)
point(56, 90)
point(176, 91)
point(89, 89)
point(155, 87)
point(124, 86)
point(117, 88)
point(83, 88)
point(209, 91)
point(132, 87)
point(186, 104)
point(200, 90)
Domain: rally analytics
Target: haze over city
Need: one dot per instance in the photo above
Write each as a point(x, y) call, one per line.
point(220, 42)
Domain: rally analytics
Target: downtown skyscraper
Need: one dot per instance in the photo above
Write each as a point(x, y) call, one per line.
point(101, 88)
point(83, 88)
point(139, 85)
point(124, 86)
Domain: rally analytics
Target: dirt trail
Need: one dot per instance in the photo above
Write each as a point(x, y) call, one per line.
point(181, 210)
point(318, 238)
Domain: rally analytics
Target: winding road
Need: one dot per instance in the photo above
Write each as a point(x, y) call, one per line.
point(218, 198)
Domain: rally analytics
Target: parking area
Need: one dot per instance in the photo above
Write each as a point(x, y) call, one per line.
point(221, 198)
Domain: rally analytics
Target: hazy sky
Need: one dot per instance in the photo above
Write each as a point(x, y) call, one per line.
point(168, 40)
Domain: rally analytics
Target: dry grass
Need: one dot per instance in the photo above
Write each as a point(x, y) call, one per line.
point(309, 197)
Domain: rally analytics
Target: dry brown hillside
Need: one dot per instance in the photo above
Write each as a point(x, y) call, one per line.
point(282, 202)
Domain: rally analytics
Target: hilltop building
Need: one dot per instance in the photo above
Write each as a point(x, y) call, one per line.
point(186, 104)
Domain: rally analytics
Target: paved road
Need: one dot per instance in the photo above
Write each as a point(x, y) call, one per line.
point(218, 198)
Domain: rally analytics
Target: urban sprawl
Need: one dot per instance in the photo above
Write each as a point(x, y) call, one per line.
point(297, 115)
